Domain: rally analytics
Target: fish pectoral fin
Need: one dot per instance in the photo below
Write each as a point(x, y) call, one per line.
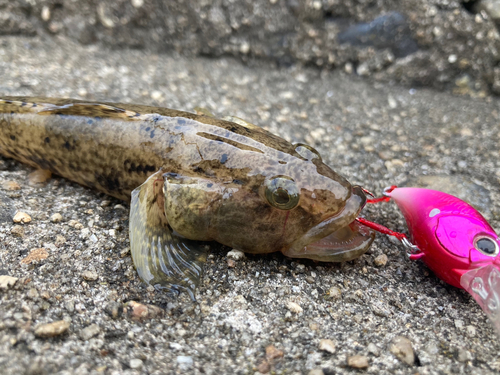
point(162, 258)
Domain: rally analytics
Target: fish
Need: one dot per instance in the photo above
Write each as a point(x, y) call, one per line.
point(192, 179)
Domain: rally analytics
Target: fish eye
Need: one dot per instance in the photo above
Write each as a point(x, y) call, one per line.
point(307, 152)
point(486, 245)
point(282, 192)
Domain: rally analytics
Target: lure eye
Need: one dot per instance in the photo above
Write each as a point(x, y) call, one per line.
point(307, 152)
point(282, 192)
point(487, 246)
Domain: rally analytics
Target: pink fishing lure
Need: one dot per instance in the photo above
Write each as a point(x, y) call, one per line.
point(454, 240)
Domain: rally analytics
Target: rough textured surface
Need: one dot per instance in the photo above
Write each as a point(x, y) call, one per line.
point(447, 44)
point(375, 135)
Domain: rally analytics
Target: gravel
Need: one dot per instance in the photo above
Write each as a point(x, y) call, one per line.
point(240, 310)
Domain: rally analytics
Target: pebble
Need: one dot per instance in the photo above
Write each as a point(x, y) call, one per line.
point(316, 371)
point(11, 185)
point(114, 309)
point(90, 275)
point(464, 355)
point(334, 293)
point(401, 348)
point(357, 361)
point(294, 307)
point(273, 353)
point(471, 331)
point(135, 363)
point(17, 230)
point(137, 311)
point(51, 329)
point(56, 218)
point(185, 361)
point(373, 349)
point(236, 254)
point(21, 217)
point(88, 332)
point(381, 260)
point(327, 346)
point(231, 263)
point(310, 279)
point(40, 176)
point(35, 255)
point(7, 281)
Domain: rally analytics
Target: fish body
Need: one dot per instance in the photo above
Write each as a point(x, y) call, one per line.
point(191, 179)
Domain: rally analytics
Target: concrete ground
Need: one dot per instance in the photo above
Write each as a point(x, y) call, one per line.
point(260, 313)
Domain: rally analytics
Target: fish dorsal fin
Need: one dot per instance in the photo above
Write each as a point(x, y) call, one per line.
point(241, 122)
point(162, 258)
point(73, 109)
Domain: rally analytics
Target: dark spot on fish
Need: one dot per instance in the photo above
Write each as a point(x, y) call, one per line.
point(47, 140)
point(223, 158)
point(139, 169)
point(24, 104)
point(148, 128)
point(35, 105)
point(198, 169)
point(66, 145)
point(150, 168)
point(181, 121)
point(238, 182)
point(152, 135)
point(13, 137)
point(282, 162)
point(234, 129)
point(210, 185)
point(90, 122)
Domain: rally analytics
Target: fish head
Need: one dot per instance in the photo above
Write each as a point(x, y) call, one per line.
point(282, 201)
point(452, 234)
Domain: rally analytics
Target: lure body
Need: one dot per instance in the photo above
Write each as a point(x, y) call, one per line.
point(448, 232)
point(456, 242)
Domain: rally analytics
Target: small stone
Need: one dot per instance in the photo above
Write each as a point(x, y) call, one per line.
point(156, 95)
point(21, 217)
point(32, 293)
point(40, 176)
point(373, 349)
point(114, 309)
point(51, 329)
point(316, 371)
point(56, 218)
point(334, 293)
point(294, 307)
point(471, 331)
point(357, 361)
point(236, 254)
point(88, 332)
point(90, 275)
point(11, 185)
point(381, 260)
point(137, 3)
point(35, 255)
point(310, 279)
point(264, 367)
point(459, 324)
point(59, 240)
point(245, 48)
point(401, 348)
point(327, 346)
point(17, 230)
point(231, 263)
point(7, 281)
point(138, 311)
point(75, 224)
point(185, 361)
point(125, 252)
point(464, 355)
point(135, 363)
point(45, 13)
point(272, 353)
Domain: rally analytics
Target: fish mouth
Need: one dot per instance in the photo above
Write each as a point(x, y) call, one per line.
point(339, 238)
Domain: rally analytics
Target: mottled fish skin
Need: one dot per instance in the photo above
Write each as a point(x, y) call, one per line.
point(213, 172)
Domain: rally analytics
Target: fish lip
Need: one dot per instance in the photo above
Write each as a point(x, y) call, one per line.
point(359, 238)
